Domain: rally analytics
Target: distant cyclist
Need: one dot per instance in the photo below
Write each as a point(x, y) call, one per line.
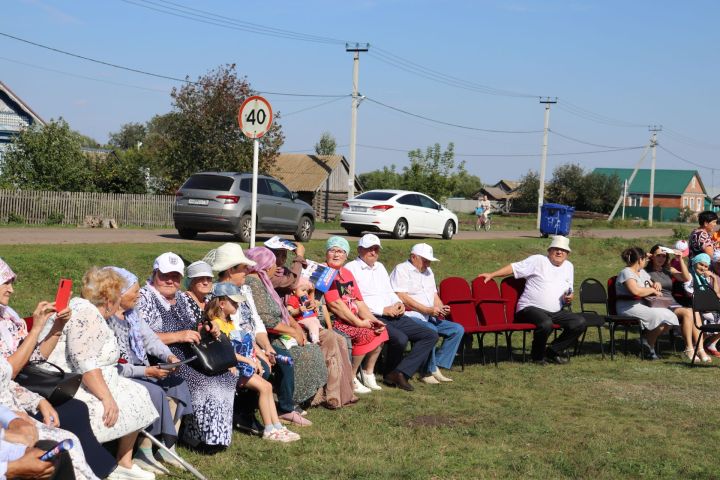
point(482, 211)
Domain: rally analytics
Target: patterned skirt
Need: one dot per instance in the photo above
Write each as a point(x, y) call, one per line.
point(364, 340)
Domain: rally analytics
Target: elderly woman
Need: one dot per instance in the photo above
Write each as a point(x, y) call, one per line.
point(634, 283)
point(198, 285)
point(661, 271)
point(169, 393)
point(310, 370)
point(168, 312)
point(17, 346)
point(119, 408)
point(701, 240)
point(351, 316)
point(702, 277)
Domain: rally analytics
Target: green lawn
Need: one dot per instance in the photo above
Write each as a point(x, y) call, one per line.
point(593, 418)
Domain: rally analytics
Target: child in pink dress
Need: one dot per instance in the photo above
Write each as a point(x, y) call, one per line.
point(303, 308)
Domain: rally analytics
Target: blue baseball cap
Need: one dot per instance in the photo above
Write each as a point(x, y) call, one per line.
point(227, 289)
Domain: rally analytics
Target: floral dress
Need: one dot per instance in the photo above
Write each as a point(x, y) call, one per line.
point(212, 396)
point(310, 370)
point(87, 343)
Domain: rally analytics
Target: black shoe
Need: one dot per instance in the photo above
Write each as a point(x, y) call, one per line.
point(248, 424)
point(397, 379)
point(540, 363)
point(555, 357)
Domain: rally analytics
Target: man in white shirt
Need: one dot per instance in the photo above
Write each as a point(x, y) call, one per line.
point(548, 288)
point(374, 283)
point(414, 282)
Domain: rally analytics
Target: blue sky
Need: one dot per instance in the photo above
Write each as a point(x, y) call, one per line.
point(627, 65)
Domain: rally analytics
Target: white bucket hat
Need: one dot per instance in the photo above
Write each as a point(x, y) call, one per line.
point(425, 251)
point(227, 256)
point(199, 269)
point(558, 241)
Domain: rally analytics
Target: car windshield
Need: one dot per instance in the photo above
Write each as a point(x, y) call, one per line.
point(209, 182)
point(382, 196)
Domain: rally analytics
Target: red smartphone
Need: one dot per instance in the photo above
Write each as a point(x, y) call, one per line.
point(63, 294)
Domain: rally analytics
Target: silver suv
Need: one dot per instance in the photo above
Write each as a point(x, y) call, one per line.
point(220, 202)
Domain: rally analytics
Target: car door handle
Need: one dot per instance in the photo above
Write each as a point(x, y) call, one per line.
point(278, 203)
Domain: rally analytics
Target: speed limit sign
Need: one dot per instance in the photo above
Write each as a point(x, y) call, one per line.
point(255, 117)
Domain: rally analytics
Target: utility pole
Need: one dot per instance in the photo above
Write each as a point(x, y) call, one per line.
point(356, 49)
point(543, 162)
point(653, 142)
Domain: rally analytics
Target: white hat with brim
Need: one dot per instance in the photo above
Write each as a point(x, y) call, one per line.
point(558, 241)
point(425, 251)
point(227, 256)
point(169, 262)
point(199, 269)
point(369, 240)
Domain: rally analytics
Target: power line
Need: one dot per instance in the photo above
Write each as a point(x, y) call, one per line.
point(584, 142)
point(313, 106)
point(395, 149)
point(487, 130)
point(151, 74)
point(596, 117)
point(679, 137)
point(686, 160)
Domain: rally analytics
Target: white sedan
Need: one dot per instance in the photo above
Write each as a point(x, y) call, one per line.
point(398, 212)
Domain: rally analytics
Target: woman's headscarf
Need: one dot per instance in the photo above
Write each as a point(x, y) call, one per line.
point(131, 316)
point(6, 272)
point(8, 314)
point(265, 258)
point(701, 258)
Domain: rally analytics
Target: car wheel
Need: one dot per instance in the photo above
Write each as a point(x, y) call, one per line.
point(449, 230)
point(305, 229)
point(401, 229)
point(187, 234)
point(245, 231)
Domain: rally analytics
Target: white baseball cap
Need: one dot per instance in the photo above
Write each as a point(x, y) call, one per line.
point(682, 245)
point(278, 243)
point(425, 251)
point(369, 240)
point(199, 269)
point(169, 262)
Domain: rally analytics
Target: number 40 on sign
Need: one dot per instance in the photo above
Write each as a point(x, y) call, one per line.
point(255, 117)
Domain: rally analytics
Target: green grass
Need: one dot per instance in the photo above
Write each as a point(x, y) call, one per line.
point(590, 419)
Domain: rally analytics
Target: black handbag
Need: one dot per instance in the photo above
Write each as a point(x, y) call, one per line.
point(57, 385)
point(214, 355)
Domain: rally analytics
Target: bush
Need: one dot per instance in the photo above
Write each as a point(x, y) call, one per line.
point(681, 233)
point(15, 218)
point(55, 218)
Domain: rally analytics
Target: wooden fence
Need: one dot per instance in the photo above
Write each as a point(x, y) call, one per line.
point(71, 208)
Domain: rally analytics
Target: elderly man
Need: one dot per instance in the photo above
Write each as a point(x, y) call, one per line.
point(548, 288)
point(374, 283)
point(414, 283)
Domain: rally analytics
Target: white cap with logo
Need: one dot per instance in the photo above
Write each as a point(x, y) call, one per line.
point(169, 262)
point(369, 240)
point(425, 251)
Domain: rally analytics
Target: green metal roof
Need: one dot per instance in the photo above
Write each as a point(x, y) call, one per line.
point(667, 182)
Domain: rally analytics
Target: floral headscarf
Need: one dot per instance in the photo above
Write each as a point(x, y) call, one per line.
point(265, 258)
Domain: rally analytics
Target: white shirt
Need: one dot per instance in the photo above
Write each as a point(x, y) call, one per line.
point(374, 284)
point(405, 278)
point(545, 283)
point(235, 317)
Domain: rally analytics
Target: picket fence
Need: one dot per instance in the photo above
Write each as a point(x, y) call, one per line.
point(71, 208)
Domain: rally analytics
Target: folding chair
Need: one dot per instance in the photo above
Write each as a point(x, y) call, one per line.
point(592, 292)
point(704, 301)
point(455, 292)
point(616, 320)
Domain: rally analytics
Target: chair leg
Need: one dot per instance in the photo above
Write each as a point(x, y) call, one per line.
point(626, 339)
point(612, 340)
point(496, 349)
point(697, 345)
point(524, 336)
point(579, 344)
point(482, 348)
point(462, 354)
point(508, 343)
point(602, 349)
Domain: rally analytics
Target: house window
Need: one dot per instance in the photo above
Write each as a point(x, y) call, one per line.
point(635, 200)
point(685, 202)
point(692, 204)
point(699, 204)
point(693, 182)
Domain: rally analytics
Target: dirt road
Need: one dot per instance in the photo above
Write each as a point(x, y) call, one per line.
point(29, 235)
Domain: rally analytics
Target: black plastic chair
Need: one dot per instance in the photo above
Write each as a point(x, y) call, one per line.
point(592, 292)
point(704, 301)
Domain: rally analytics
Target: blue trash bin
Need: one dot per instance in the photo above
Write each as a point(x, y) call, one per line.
point(555, 219)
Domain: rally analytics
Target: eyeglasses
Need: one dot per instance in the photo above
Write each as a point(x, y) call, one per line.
point(336, 251)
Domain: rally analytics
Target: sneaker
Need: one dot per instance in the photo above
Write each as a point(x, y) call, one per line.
point(276, 436)
point(290, 434)
point(704, 356)
point(148, 463)
point(359, 387)
point(430, 380)
point(134, 473)
point(296, 418)
point(165, 457)
point(712, 351)
point(440, 377)
point(368, 379)
point(554, 357)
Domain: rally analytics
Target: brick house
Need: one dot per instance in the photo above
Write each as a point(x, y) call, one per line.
point(674, 190)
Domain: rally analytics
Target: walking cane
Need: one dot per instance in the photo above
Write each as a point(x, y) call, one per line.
point(182, 462)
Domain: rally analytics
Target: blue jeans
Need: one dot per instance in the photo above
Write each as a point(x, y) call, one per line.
point(452, 334)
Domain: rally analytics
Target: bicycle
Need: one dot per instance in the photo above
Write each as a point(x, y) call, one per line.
point(482, 223)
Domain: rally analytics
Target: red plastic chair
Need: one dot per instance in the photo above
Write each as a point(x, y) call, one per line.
point(28, 322)
point(491, 312)
point(510, 290)
point(455, 292)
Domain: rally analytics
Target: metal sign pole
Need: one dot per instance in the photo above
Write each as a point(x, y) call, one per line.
point(253, 211)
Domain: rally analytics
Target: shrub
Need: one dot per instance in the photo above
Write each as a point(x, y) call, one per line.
point(15, 218)
point(55, 218)
point(681, 233)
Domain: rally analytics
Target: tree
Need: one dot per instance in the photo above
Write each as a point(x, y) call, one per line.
point(566, 185)
point(466, 186)
point(121, 172)
point(387, 178)
point(433, 172)
point(201, 131)
point(600, 192)
point(527, 193)
point(47, 158)
point(129, 136)
point(326, 145)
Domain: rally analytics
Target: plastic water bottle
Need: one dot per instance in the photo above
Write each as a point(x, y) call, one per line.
point(284, 359)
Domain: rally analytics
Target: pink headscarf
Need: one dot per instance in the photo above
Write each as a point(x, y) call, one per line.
point(6, 272)
point(265, 258)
